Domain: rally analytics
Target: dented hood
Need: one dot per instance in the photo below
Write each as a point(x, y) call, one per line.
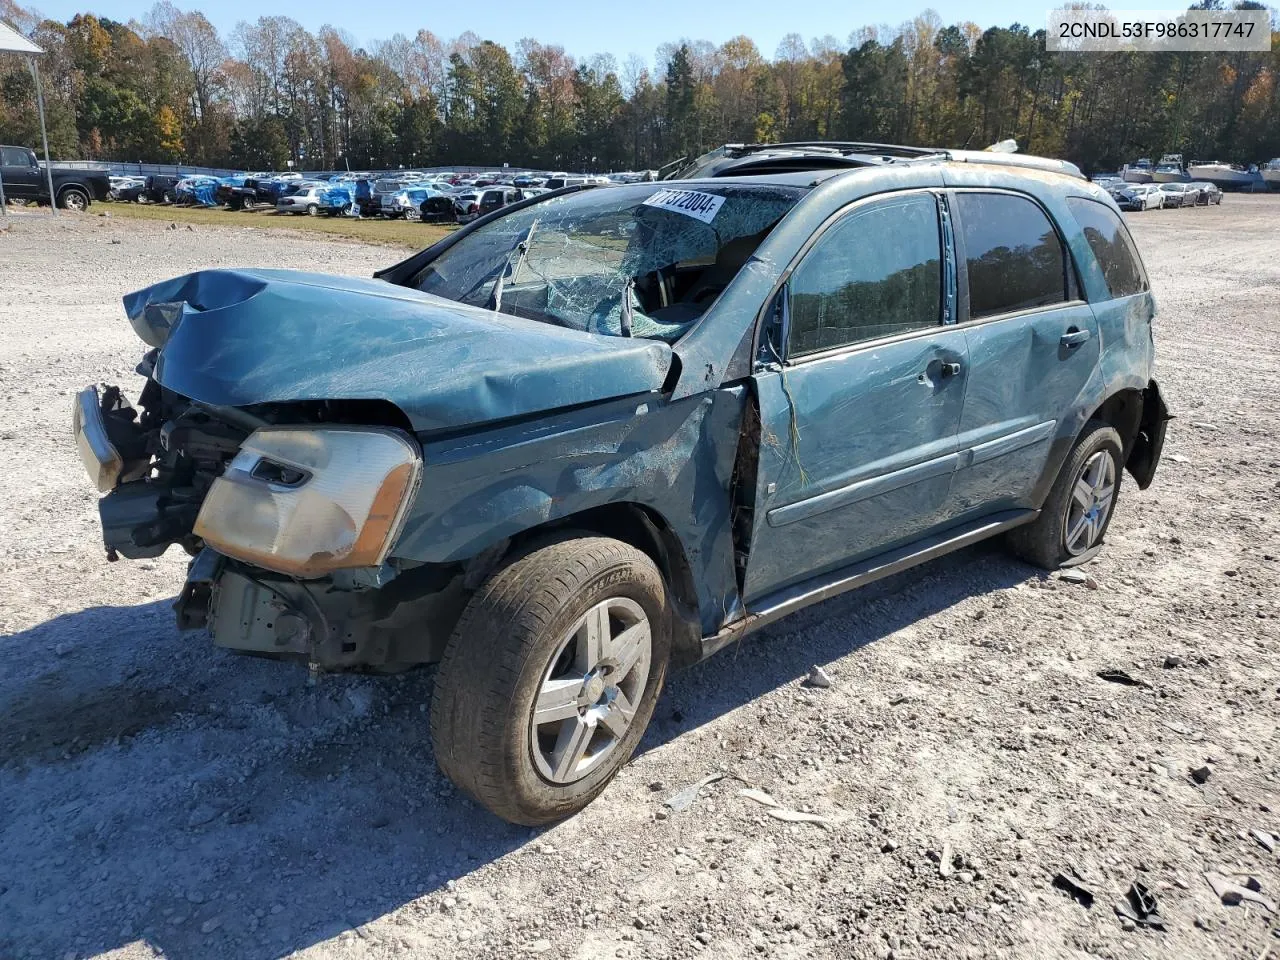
point(243, 337)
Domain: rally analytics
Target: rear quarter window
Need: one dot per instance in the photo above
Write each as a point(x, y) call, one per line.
point(1112, 246)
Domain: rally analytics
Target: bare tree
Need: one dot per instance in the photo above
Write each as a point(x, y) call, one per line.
point(200, 46)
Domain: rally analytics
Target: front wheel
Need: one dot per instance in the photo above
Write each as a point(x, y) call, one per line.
point(550, 678)
point(1078, 510)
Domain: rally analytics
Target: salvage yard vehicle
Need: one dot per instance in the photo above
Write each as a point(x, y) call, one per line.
point(407, 203)
point(336, 197)
point(1149, 195)
point(438, 208)
point(1206, 193)
point(606, 432)
point(127, 189)
point(301, 198)
point(1179, 194)
point(25, 179)
point(466, 205)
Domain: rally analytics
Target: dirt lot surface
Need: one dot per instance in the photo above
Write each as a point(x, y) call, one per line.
point(159, 797)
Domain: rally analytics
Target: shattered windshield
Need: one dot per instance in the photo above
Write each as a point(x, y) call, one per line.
point(639, 260)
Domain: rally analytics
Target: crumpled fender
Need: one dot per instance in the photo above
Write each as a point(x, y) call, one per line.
point(244, 337)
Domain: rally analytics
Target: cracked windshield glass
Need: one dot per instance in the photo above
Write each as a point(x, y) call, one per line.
point(639, 261)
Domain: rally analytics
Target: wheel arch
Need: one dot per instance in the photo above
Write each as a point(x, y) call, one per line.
point(1123, 411)
point(81, 188)
point(1137, 413)
point(648, 531)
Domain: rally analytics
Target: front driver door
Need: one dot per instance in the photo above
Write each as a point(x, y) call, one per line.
point(21, 174)
point(858, 424)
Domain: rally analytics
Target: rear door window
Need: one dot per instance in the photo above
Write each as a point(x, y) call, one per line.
point(1112, 246)
point(876, 273)
point(1014, 257)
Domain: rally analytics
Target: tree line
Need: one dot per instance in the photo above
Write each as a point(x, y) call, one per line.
point(172, 89)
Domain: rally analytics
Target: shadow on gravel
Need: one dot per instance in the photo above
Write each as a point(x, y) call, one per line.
point(782, 653)
point(157, 790)
point(160, 790)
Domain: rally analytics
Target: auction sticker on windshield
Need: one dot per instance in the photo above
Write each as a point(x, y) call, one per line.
point(692, 203)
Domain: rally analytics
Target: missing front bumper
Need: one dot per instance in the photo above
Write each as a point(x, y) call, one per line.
point(336, 624)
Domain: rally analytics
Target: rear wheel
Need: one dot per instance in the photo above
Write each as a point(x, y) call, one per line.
point(1078, 510)
point(312, 210)
point(551, 677)
point(73, 198)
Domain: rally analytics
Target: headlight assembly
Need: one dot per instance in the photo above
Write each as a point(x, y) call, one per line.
point(306, 501)
point(101, 460)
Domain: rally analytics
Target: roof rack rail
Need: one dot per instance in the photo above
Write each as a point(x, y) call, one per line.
point(840, 146)
point(1017, 160)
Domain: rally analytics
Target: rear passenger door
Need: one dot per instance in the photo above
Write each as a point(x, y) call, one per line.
point(858, 417)
point(1118, 290)
point(1033, 345)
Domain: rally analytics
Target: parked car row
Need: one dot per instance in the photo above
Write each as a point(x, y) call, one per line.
point(433, 198)
point(1157, 196)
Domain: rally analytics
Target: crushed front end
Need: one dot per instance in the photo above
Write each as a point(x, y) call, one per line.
point(289, 512)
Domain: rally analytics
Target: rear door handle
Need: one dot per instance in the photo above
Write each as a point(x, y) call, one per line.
point(1073, 338)
point(938, 370)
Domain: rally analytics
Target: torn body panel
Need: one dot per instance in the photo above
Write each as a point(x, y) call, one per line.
point(1144, 455)
point(674, 459)
point(480, 494)
point(240, 338)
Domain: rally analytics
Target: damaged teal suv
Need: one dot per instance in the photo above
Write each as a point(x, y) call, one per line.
point(607, 431)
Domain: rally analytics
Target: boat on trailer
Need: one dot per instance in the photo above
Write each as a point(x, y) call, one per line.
point(1170, 169)
point(1271, 173)
point(1138, 172)
point(1227, 176)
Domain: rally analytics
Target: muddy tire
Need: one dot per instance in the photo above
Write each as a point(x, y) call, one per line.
point(1080, 505)
point(550, 678)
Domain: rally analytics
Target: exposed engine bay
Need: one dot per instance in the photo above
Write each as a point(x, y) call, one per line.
point(172, 451)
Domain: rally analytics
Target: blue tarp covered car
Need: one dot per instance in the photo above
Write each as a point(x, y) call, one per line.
point(197, 191)
point(605, 432)
point(336, 198)
point(343, 195)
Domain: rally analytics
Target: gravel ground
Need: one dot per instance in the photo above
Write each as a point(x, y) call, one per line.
point(159, 797)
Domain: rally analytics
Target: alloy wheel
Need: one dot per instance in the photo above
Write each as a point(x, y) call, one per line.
point(590, 690)
point(1092, 497)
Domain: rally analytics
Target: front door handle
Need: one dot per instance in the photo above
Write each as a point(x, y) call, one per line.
point(1074, 337)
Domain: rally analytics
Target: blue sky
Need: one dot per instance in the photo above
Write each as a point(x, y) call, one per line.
point(585, 27)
